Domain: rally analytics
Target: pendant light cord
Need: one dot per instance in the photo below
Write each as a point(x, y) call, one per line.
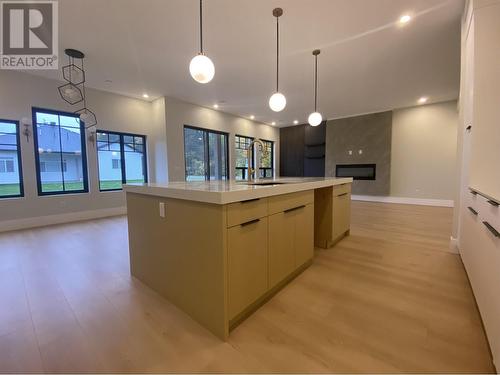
point(315, 83)
point(277, 53)
point(201, 27)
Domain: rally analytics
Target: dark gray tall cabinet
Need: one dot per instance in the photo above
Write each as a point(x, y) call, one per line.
point(302, 151)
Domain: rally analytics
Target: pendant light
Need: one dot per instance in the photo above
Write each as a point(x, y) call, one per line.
point(202, 69)
point(277, 101)
point(315, 118)
point(73, 92)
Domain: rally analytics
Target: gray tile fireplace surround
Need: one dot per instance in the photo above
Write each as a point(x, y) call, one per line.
point(372, 135)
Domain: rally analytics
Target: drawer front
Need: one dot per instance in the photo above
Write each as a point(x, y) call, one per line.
point(341, 189)
point(242, 212)
point(285, 202)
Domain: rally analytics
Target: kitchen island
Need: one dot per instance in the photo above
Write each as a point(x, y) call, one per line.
point(218, 250)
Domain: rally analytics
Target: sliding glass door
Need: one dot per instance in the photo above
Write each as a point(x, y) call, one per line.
point(206, 154)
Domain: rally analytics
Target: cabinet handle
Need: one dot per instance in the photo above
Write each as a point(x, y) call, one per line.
point(468, 128)
point(250, 200)
point(294, 209)
point(493, 203)
point(491, 229)
point(250, 222)
point(341, 195)
point(472, 210)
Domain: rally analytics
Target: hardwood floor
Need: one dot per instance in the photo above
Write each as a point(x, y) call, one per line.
point(389, 298)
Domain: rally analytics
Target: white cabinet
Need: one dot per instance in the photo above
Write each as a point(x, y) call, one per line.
point(485, 151)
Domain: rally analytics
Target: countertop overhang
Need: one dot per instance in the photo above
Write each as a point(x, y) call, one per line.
point(224, 192)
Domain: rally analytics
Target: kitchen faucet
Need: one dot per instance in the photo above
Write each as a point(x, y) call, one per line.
point(251, 170)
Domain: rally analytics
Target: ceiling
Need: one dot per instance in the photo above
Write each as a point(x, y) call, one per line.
point(368, 62)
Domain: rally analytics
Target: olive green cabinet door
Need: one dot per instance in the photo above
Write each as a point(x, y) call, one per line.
point(341, 214)
point(247, 264)
point(281, 246)
point(304, 234)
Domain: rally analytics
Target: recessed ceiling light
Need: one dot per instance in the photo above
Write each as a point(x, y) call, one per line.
point(252, 117)
point(273, 123)
point(423, 100)
point(404, 19)
point(216, 106)
point(145, 96)
point(295, 122)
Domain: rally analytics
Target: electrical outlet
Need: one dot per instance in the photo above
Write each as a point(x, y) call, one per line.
point(162, 209)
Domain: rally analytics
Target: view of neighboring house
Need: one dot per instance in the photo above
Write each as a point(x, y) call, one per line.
point(110, 164)
point(59, 146)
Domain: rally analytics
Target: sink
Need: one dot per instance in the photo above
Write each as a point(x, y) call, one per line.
point(266, 183)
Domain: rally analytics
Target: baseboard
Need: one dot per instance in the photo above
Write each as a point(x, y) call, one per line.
point(454, 245)
point(401, 200)
point(42, 221)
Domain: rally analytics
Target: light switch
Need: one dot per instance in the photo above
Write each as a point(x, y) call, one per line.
point(162, 209)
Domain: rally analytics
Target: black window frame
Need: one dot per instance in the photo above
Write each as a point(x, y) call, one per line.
point(85, 171)
point(244, 170)
point(122, 135)
point(206, 132)
point(19, 161)
point(271, 168)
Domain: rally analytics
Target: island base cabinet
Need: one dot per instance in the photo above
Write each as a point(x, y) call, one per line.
point(332, 214)
point(247, 264)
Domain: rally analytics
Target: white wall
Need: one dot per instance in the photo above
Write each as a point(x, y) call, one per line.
point(424, 151)
point(19, 92)
point(179, 113)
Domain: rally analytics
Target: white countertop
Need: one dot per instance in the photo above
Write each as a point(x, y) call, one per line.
point(224, 192)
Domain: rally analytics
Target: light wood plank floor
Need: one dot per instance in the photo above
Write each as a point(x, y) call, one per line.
point(390, 298)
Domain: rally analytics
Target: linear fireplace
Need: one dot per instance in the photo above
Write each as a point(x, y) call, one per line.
point(357, 171)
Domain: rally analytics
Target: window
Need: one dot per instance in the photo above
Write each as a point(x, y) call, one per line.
point(53, 166)
point(266, 169)
point(11, 176)
point(121, 158)
point(205, 154)
point(6, 165)
point(241, 145)
point(61, 159)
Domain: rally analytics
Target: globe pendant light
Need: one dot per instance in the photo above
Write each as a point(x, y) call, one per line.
point(202, 69)
point(315, 118)
point(277, 101)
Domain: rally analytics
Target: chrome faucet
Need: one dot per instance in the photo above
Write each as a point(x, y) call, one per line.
point(252, 171)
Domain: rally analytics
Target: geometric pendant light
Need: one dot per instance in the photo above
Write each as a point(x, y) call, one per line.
point(73, 92)
point(315, 118)
point(277, 101)
point(201, 68)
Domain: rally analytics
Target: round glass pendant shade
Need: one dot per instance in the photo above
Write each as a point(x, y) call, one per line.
point(202, 69)
point(277, 102)
point(315, 119)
